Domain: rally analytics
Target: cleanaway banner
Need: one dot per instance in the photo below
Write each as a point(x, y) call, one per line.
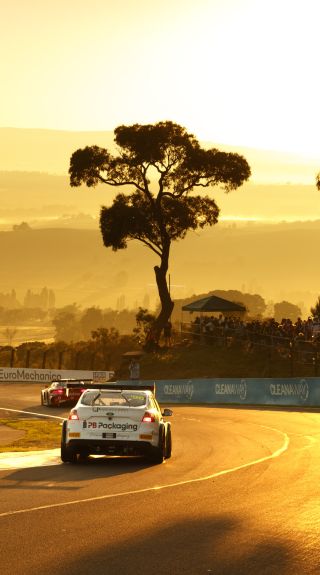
point(33, 375)
point(240, 391)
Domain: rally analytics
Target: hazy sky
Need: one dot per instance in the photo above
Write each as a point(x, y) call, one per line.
point(239, 72)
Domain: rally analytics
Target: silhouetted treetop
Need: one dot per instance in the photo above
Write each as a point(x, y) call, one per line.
point(166, 147)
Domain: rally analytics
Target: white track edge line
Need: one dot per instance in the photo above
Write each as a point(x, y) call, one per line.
point(273, 455)
point(31, 413)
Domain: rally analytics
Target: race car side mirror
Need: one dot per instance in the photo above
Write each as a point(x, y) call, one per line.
point(167, 412)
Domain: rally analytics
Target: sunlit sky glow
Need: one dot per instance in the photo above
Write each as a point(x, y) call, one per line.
point(239, 72)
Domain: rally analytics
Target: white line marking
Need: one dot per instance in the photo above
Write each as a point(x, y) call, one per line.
point(32, 413)
point(192, 419)
point(273, 455)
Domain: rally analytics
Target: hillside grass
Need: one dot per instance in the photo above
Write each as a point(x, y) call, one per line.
point(195, 360)
point(38, 435)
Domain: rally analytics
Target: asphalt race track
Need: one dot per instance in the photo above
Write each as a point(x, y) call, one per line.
point(240, 495)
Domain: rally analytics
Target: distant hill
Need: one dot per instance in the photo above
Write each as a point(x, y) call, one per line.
point(276, 261)
point(34, 183)
point(279, 262)
point(44, 200)
point(36, 150)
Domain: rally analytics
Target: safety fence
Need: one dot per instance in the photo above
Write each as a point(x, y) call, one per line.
point(53, 358)
point(299, 350)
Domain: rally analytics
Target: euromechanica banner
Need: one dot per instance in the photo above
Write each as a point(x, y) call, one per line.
point(31, 375)
point(264, 391)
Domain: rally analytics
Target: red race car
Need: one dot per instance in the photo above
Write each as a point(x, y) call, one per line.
point(57, 393)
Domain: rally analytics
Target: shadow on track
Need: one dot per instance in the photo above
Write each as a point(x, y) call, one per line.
point(58, 477)
point(219, 545)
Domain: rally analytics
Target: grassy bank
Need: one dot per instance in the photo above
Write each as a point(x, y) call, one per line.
point(209, 361)
point(37, 435)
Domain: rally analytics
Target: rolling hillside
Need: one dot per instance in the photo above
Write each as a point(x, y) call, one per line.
point(276, 261)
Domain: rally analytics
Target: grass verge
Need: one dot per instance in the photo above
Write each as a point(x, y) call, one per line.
point(38, 435)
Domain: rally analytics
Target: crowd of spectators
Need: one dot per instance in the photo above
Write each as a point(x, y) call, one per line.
point(258, 331)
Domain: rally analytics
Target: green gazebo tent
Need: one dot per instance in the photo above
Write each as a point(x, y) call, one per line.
point(213, 304)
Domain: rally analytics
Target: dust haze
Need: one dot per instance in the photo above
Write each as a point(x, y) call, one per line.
point(266, 241)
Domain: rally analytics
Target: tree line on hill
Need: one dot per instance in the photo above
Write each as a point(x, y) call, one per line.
point(75, 324)
point(44, 300)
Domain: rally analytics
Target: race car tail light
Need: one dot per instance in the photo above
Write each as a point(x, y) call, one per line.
point(57, 391)
point(148, 417)
point(73, 414)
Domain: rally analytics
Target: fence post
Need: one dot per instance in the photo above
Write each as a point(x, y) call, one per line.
point(269, 359)
point(316, 359)
point(291, 344)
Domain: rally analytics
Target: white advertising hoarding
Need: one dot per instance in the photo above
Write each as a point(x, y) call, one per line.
point(34, 375)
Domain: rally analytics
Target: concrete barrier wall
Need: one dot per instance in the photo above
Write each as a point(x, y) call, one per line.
point(293, 391)
point(36, 375)
point(251, 391)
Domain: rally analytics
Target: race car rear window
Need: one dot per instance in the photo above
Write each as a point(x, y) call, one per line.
point(113, 399)
point(58, 384)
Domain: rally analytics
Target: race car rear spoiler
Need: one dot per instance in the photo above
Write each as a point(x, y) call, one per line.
point(68, 381)
point(90, 384)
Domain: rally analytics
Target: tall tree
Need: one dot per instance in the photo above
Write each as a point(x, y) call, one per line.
point(315, 311)
point(163, 165)
point(286, 310)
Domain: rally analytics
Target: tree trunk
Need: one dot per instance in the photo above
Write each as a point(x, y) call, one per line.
point(165, 299)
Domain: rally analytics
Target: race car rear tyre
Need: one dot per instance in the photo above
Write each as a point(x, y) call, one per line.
point(158, 453)
point(168, 443)
point(67, 454)
point(83, 457)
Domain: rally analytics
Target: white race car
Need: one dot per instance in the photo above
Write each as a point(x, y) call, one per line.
point(110, 419)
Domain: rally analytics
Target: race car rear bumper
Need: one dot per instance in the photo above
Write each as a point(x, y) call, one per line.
point(109, 447)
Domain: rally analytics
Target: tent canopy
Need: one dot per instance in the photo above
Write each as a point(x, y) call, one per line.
point(213, 303)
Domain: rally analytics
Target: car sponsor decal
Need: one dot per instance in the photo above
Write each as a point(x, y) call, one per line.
point(108, 425)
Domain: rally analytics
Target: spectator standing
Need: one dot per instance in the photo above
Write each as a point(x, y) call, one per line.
point(134, 369)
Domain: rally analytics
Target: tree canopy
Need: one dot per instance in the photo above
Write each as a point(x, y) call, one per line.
point(163, 165)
